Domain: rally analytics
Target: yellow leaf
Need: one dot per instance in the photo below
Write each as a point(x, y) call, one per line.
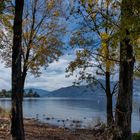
point(56, 13)
point(104, 36)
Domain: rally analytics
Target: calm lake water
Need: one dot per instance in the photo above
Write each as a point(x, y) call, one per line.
point(70, 112)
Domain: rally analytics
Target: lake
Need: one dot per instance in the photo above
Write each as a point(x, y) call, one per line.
point(70, 112)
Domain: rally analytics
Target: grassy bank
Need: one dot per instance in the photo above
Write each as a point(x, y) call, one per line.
point(4, 113)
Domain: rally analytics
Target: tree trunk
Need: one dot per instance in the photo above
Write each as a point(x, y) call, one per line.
point(110, 119)
point(17, 127)
point(24, 74)
point(124, 101)
point(109, 105)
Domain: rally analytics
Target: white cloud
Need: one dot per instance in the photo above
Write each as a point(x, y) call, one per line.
point(5, 77)
point(52, 78)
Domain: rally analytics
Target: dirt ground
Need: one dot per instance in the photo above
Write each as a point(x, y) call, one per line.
point(37, 131)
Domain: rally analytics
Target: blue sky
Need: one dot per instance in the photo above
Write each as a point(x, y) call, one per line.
point(52, 78)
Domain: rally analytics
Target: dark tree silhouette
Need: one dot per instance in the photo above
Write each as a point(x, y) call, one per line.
point(17, 127)
point(124, 101)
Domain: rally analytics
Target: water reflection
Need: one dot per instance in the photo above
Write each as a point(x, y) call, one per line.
point(65, 110)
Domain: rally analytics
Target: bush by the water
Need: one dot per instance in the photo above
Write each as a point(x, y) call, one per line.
point(7, 94)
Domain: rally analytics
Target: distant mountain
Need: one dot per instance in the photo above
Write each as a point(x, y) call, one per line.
point(72, 91)
point(82, 91)
point(76, 92)
point(40, 92)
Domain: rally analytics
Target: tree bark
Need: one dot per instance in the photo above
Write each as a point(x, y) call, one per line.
point(109, 106)
point(124, 101)
point(125, 95)
point(17, 127)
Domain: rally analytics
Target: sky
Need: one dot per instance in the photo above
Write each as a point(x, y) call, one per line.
point(54, 77)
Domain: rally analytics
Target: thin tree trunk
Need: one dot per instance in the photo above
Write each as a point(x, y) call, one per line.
point(125, 95)
point(110, 119)
point(17, 127)
point(109, 105)
point(24, 74)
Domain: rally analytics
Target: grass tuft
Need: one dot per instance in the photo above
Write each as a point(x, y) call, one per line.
point(4, 113)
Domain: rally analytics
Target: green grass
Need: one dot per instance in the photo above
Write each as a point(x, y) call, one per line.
point(136, 136)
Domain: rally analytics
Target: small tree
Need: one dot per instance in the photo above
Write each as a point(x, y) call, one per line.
point(36, 94)
point(37, 42)
point(4, 92)
point(41, 39)
point(30, 92)
point(98, 47)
